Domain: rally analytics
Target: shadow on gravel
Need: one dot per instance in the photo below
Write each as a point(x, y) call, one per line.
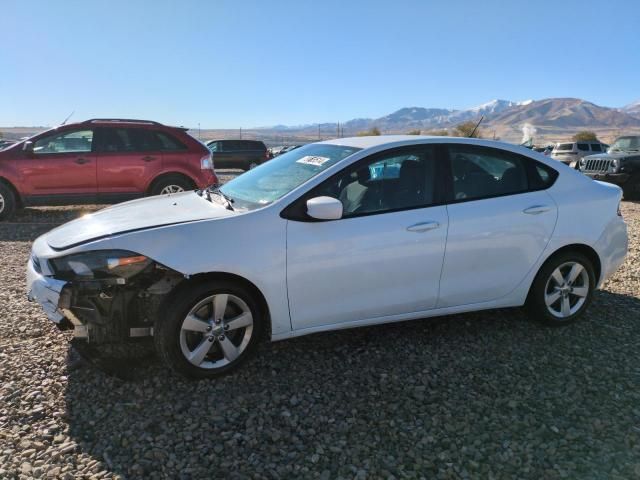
point(29, 223)
point(480, 395)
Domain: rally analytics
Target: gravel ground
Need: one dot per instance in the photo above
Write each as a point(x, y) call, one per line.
point(487, 395)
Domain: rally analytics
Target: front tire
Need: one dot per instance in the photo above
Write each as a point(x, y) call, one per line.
point(209, 329)
point(7, 202)
point(562, 290)
point(631, 189)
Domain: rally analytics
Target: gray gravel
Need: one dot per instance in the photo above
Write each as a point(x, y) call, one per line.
point(488, 395)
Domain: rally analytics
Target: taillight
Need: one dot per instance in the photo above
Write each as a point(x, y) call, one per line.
point(206, 162)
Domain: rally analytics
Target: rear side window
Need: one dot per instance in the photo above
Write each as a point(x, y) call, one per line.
point(242, 145)
point(168, 142)
point(480, 172)
point(584, 147)
point(253, 145)
point(128, 140)
point(564, 146)
point(595, 147)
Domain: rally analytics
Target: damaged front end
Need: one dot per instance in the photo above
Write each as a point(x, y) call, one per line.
point(106, 296)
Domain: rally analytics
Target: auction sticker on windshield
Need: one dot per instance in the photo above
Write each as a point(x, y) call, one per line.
point(313, 160)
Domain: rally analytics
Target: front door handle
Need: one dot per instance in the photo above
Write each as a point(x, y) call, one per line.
point(148, 158)
point(82, 161)
point(423, 227)
point(536, 209)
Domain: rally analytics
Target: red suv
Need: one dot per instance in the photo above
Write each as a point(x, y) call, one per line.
point(101, 161)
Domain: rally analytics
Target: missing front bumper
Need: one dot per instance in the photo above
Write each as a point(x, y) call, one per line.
point(103, 311)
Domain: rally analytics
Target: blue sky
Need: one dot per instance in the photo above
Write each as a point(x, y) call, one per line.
point(229, 64)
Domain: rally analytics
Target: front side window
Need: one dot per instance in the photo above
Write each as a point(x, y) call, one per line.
point(393, 181)
point(479, 172)
point(275, 178)
point(75, 141)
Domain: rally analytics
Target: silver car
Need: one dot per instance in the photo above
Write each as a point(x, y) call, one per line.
point(570, 153)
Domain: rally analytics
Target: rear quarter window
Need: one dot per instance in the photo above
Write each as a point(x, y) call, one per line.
point(540, 175)
point(595, 147)
point(168, 142)
point(583, 147)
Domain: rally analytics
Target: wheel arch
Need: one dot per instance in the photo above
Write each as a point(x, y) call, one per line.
point(6, 182)
point(581, 248)
point(163, 175)
point(238, 280)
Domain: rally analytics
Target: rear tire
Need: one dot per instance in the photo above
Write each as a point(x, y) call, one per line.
point(209, 329)
point(171, 184)
point(631, 189)
point(562, 289)
point(8, 202)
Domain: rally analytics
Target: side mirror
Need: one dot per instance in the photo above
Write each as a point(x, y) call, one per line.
point(27, 147)
point(324, 208)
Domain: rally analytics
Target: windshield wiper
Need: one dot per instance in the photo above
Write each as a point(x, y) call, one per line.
point(228, 200)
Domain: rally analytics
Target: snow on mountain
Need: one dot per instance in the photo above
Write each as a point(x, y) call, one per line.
point(632, 109)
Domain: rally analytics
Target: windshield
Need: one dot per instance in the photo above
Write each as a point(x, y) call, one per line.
point(275, 178)
point(626, 144)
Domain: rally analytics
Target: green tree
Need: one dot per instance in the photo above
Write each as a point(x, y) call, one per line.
point(468, 129)
point(413, 132)
point(585, 136)
point(375, 131)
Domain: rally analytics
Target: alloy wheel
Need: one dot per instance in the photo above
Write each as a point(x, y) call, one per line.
point(216, 331)
point(566, 289)
point(1, 203)
point(171, 189)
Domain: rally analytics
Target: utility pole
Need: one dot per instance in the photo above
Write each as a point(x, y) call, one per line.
point(338, 129)
point(240, 133)
point(318, 131)
point(199, 136)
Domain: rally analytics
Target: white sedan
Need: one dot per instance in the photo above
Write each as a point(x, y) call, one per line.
point(337, 234)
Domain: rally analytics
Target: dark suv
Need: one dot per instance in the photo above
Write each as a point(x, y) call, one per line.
point(242, 154)
point(621, 166)
point(101, 161)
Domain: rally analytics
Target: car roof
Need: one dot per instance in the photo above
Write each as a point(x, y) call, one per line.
point(400, 140)
point(114, 122)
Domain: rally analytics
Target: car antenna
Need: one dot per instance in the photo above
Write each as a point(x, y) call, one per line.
point(476, 127)
point(68, 117)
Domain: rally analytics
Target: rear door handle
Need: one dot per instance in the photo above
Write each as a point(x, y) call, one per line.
point(82, 161)
point(536, 209)
point(423, 227)
point(148, 158)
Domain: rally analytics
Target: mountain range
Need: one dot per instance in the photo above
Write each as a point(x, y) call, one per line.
point(551, 115)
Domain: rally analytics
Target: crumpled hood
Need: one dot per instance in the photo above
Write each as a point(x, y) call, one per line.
point(135, 215)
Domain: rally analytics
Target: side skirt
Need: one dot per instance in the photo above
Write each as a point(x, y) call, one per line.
point(396, 318)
